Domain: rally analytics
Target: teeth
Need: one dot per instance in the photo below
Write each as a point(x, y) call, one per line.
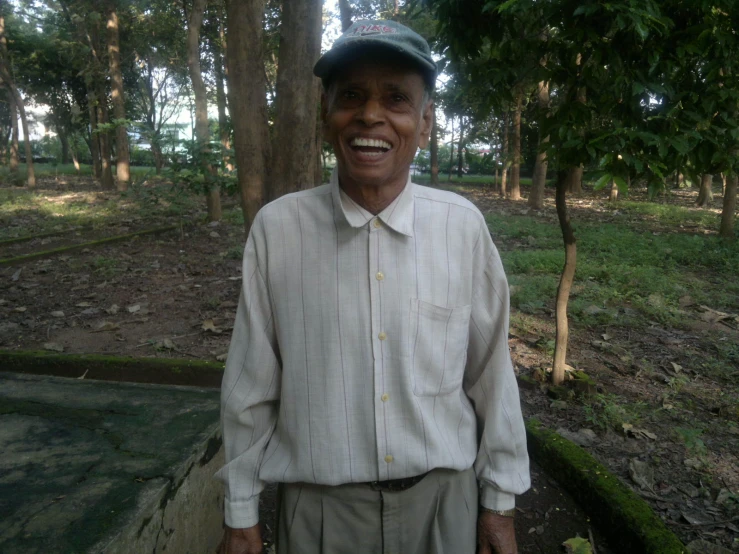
point(374, 143)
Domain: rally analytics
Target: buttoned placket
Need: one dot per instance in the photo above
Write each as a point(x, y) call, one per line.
point(378, 233)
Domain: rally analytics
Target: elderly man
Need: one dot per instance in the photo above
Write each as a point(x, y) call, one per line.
point(369, 369)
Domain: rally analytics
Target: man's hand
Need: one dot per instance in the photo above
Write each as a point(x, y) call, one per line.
point(495, 534)
point(241, 541)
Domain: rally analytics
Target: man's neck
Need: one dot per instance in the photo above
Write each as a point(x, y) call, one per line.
point(374, 199)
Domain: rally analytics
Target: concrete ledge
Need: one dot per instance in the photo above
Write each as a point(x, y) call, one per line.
point(114, 468)
point(162, 371)
point(120, 238)
point(621, 515)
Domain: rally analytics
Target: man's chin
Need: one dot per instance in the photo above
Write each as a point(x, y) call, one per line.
point(369, 177)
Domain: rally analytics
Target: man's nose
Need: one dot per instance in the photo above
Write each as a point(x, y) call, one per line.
point(371, 112)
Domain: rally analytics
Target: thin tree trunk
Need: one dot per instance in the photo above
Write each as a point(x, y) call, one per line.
point(434, 146)
point(460, 146)
point(102, 116)
point(202, 133)
point(495, 182)
point(123, 157)
point(248, 98)
point(574, 180)
point(94, 138)
point(75, 160)
point(345, 11)
point(613, 196)
point(515, 187)
point(504, 158)
point(705, 194)
point(451, 153)
point(156, 150)
point(64, 139)
point(223, 131)
point(14, 157)
point(539, 178)
point(729, 208)
point(296, 105)
point(565, 281)
point(6, 77)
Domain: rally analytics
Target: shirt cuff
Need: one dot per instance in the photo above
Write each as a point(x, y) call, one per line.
point(241, 515)
point(494, 499)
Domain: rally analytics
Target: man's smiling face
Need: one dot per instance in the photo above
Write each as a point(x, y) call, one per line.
point(376, 115)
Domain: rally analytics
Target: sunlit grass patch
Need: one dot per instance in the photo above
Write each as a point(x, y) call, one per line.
point(668, 214)
point(624, 275)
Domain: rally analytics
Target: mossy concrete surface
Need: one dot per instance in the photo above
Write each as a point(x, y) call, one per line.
point(89, 466)
point(616, 510)
point(119, 238)
point(163, 371)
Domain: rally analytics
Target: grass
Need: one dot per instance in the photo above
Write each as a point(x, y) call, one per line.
point(53, 170)
point(624, 274)
point(24, 212)
point(424, 179)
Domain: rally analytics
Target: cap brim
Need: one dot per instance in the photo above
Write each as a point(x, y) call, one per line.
point(335, 58)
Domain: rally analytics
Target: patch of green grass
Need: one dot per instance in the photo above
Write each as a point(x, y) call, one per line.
point(53, 170)
point(668, 214)
point(234, 216)
point(107, 267)
point(610, 411)
point(623, 273)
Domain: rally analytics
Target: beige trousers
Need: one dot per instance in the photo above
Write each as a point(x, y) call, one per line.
point(436, 516)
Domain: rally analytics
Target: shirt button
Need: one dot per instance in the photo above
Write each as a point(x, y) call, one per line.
point(377, 223)
point(388, 458)
point(382, 335)
point(385, 397)
point(380, 275)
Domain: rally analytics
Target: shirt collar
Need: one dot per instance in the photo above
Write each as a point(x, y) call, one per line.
point(398, 215)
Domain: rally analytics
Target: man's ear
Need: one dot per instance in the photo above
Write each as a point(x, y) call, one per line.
point(427, 124)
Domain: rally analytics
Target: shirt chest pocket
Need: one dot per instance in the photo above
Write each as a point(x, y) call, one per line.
point(438, 346)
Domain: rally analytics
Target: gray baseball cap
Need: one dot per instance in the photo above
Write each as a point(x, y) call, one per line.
point(388, 36)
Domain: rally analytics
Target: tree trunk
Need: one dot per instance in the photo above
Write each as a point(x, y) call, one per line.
point(451, 152)
point(18, 100)
point(613, 196)
point(345, 11)
point(64, 139)
point(574, 180)
point(156, 150)
point(705, 194)
point(460, 146)
point(296, 104)
point(539, 178)
point(729, 208)
point(223, 130)
point(515, 193)
point(94, 138)
point(504, 158)
point(14, 157)
point(106, 179)
point(248, 98)
point(434, 146)
point(495, 181)
point(75, 160)
point(565, 281)
point(123, 157)
point(202, 133)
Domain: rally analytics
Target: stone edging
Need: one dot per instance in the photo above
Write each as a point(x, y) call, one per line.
point(61, 250)
point(620, 514)
point(162, 371)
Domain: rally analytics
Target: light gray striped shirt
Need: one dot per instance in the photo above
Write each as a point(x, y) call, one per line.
point(370, 348)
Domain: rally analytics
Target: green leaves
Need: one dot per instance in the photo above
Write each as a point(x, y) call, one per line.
point(577, 545)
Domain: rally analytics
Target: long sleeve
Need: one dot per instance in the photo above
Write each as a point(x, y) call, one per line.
point(251, 388)
point(502, 464)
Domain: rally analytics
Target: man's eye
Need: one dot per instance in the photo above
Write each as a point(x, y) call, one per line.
point(349, 95)
point(397, 98)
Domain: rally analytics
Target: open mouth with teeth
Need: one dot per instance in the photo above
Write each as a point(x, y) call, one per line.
point(371, 148)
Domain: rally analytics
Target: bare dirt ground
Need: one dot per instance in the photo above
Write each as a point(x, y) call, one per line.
point(174, 295)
